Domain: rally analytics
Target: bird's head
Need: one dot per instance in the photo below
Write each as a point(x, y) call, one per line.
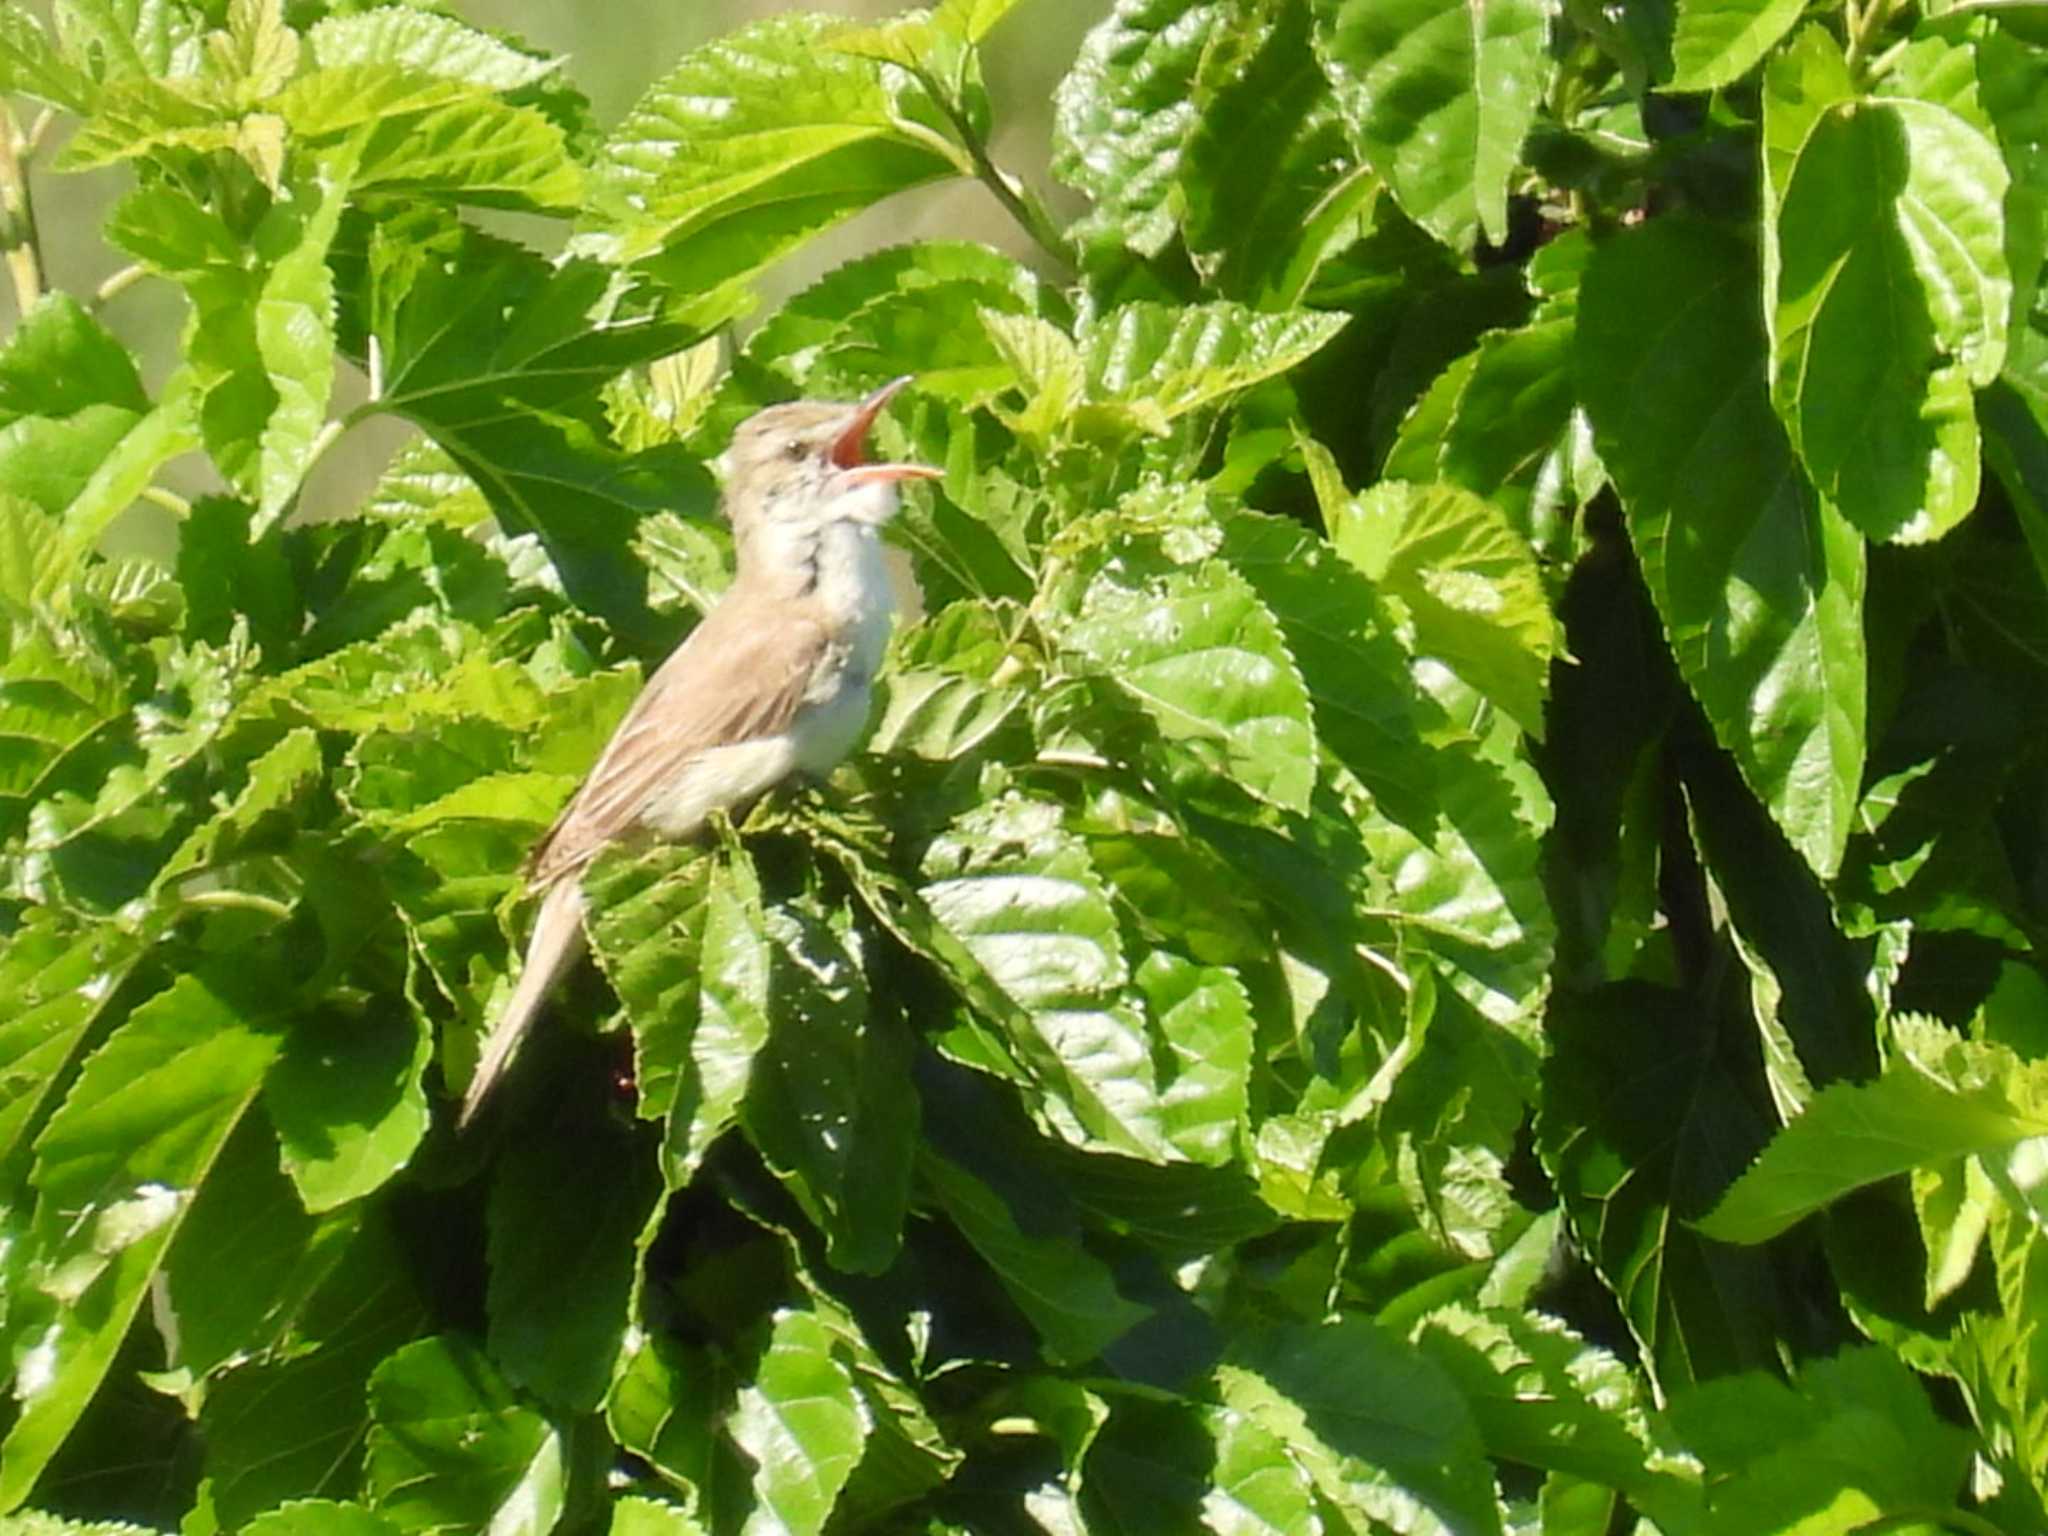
point(803, 465)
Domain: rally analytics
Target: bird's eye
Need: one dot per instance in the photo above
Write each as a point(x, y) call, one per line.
point(794, 451)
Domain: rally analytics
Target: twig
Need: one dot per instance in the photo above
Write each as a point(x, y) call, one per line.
point(1865, 23)
point(1029, 216)
point(237, 901)
point(18, 219)
point(118, 284)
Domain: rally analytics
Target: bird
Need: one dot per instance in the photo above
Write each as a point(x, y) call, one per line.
point(773, 682)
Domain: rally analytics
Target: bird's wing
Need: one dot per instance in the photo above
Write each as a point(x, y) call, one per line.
point(733, 680)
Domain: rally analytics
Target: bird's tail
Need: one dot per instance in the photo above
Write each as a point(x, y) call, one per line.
point(556, 943)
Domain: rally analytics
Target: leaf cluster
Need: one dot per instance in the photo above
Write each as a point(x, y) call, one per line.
point(1437, 928)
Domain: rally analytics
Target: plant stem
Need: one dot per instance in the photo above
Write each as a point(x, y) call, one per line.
point(1865, 23)
point(1029, 216)
point(170, 501)
point(18, 219)
point(241, 901)
point(118, 284)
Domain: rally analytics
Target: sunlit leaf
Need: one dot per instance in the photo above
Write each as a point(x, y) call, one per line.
point(801, 1424)
point(1438, 98)
point(1207, 661)
point(1762, 598)
point(450, 1448)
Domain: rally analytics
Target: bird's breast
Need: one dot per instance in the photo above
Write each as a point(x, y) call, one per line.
point(856, 602)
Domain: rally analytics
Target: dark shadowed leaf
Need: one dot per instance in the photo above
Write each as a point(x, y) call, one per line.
point(1762, 595)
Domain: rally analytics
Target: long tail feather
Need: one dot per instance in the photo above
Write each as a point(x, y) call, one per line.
point(556, 944)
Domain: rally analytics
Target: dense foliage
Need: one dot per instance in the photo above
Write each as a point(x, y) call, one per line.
point(1438, 927)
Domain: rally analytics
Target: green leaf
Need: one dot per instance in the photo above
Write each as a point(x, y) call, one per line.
point(1852, 1436)
point(1492, 422)
point(801, 1422)
point(30, 65)
point(1172, 359)
point(451, 1449)
point(327, 102)
point(1256, 1489)
point(685, 941)
point(348, 1104)
point(1809, 987)
point(122, 38)
point(47, 462)
point(116, 1169)
point(1438, 99)
point(125, 472)
point(1853, 1134)
point(651, 1517)
point(939, 716)
point(1266, 174)
point(1543, 1397)
point(263, 814)
point(753, 143)
point(1762, 596)
point(60, 983)
point(1884, 268)
point(77, 436)
point(562, 1271)
point(247, 1260)
point(1470, 584)
point(1462, 827)
point(828, 1102)
point(319, 1517)
point(1046, 365)
point(1205, 1017)
point(664, 1404)
point(59, 693)
point(292, 1423)
point(1123, 113)
point(427, 42)
point(1377, 1424)
point(28, 545)
point(142, 115)
point(647, 926)
point(295, 340)
point(517, 406)
point(1016, 889)
point(1641, 1129)
point(60, 360)
point(1716, 42)
point(907, 1455)
point(32, 1522)
point(477, 150)
point(905, 309)
point(1070, 1297)
point(254, 54)
point(1206, 660)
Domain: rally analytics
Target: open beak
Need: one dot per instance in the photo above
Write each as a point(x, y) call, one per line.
point(849, 448)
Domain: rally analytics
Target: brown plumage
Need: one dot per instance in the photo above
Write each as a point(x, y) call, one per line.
point(774, 681)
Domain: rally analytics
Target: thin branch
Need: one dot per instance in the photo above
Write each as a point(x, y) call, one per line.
point(1030, 217)
point(237, 901)
point(18, 219)
point(170, 501)
point(1865, 23)
point(118, 284)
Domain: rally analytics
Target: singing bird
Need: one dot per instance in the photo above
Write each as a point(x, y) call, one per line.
point(773, 682)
